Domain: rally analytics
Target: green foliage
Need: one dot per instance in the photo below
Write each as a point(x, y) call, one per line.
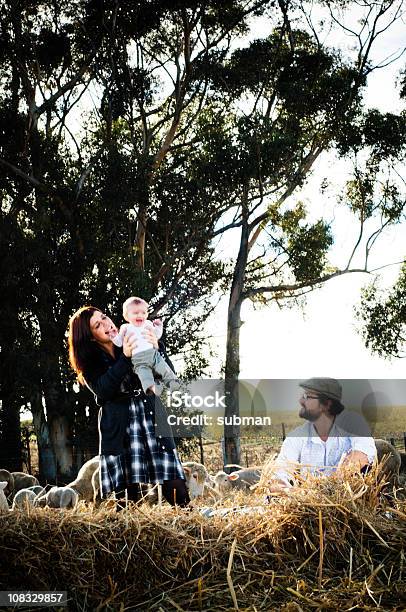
point(52, 49)
point(383, 315)
point(302, 246)
point(186, 132)
point(307, 247)
point(373, 190)
point(360, 194)
point(384, 134)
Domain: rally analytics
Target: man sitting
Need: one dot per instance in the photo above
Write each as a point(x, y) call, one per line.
point(320, 445)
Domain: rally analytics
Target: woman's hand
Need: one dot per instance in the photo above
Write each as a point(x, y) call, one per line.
point(150, 336)
point(129, 344)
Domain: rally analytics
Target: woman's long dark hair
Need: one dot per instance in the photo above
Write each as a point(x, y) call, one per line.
point(81, 348)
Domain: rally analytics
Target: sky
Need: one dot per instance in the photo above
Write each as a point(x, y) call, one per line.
point(322, 340)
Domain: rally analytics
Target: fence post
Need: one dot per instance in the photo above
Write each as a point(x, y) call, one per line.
point(28, 451)
point(283, 432)
point(223, 450)
point(201, 449)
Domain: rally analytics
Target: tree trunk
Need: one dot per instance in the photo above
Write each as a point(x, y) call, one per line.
point(60, 428)
point(61, 435)
point(140, 236)
point(10, 392)
point(10, 436)
point(144, 179)
point(46, 455)
point(59, 411)
point(232, 366)
point(232, 410)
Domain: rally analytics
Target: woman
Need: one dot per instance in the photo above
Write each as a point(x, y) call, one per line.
point(130, 451)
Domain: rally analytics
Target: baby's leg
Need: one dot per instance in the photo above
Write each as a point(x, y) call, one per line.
point(168, 377)
point(142, 367)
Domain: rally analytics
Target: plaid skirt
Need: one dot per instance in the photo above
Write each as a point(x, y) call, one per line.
point(143, 460)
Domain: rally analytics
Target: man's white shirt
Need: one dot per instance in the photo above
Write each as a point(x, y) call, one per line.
point(305, 452)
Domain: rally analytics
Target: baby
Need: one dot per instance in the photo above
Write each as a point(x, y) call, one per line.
point(145, 359)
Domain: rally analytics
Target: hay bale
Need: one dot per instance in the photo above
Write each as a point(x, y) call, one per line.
point(330, 544)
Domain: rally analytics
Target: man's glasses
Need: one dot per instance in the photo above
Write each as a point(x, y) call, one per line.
point(306, 396)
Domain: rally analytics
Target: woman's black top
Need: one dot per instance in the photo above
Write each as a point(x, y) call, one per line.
point(114, 384)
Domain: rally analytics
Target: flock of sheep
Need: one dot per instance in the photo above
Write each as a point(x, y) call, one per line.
point(24, 490)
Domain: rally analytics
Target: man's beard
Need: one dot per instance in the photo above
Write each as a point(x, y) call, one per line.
point(305, 414)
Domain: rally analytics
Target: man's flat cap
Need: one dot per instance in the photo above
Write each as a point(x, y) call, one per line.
point(330, 387)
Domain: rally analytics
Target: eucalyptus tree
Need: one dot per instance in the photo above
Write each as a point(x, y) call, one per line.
point(240, 129)
point(78, 193)
point(135, 134)
point(292, 99)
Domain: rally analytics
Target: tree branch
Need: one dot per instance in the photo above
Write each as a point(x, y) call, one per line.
point(310, 283)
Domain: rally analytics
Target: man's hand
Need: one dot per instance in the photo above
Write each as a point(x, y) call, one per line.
point(355, 459)
point(279, 486)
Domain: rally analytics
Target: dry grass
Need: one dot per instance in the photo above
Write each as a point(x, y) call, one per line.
point(251, 454)
point(327, 546)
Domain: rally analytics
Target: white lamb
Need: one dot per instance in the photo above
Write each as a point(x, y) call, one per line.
point(24, 499)
point(3, 501)
point(38, 490)
point(196, 480)
point(84, 484)
point(241, 479)
point(58, 497)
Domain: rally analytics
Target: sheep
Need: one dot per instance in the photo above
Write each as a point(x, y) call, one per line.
point(58, 497)
point(241, 479)
point(3, 501)
point(6, 477)
point(84, 483)
point(17, 481)
point(27, 496)
point(38, 490)
point(391, 467)
point(196, 478)
point(21, 480)
point(23, 499)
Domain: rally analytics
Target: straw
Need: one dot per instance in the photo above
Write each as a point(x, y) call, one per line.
point(328, 545)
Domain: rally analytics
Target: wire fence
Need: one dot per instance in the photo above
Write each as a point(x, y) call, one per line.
point(254, 449)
